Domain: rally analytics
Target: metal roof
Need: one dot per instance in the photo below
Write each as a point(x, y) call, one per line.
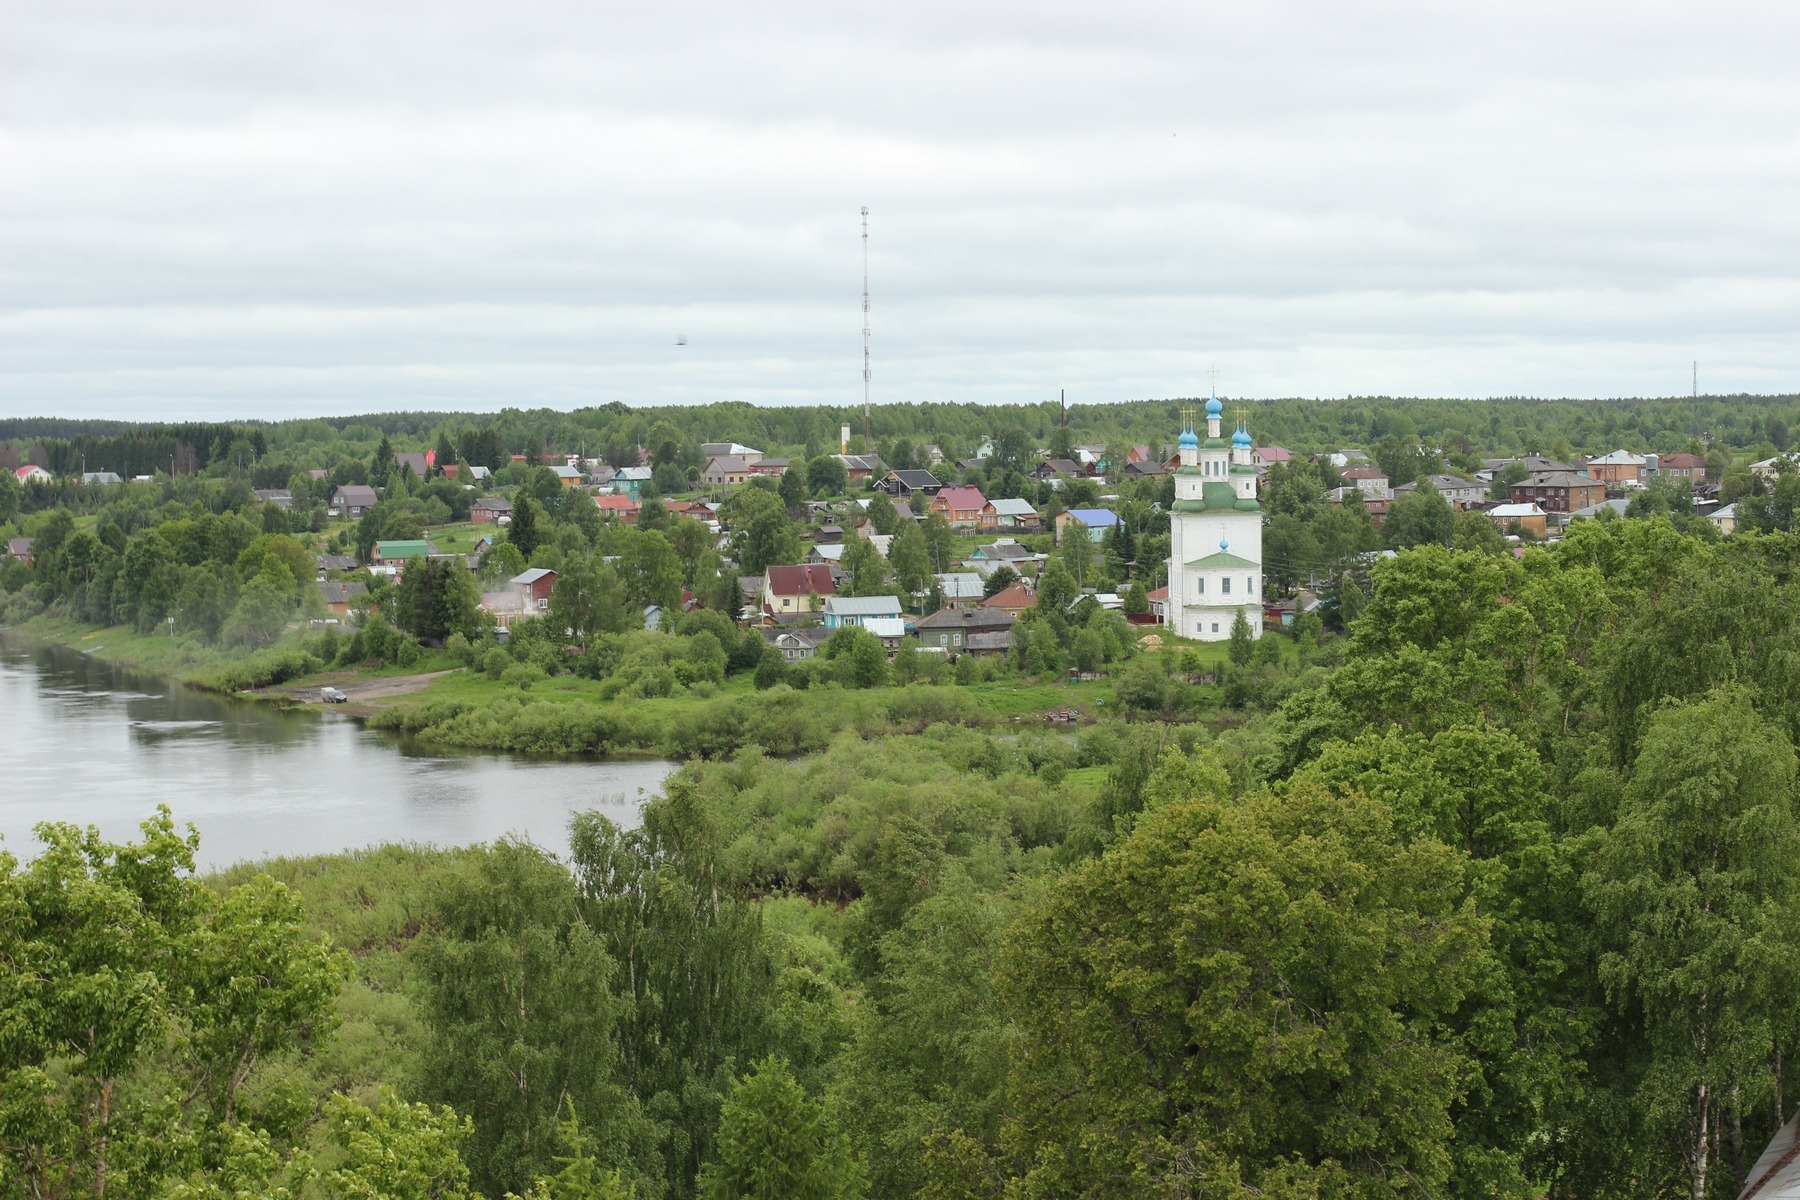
point(860, 606)
point(1220, 560)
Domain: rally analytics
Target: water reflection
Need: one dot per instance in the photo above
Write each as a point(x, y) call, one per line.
point(85, 742)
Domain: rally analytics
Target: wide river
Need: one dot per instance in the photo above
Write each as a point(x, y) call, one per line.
point(85, 742)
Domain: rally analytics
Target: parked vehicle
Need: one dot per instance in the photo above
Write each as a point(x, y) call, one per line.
point(331, 695)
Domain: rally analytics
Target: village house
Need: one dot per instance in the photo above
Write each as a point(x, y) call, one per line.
point(33, 474)
point(726, 470)
point(860, 468)
point(534, 587)
point(775, 467)
point(279, 497)
point(1057, 468)
point(748, 454)
point(1017, 515)
point(1593, 511)
point(1370, 481)
point(569, 477)
point(961, 507)
point(1460, 492)
point(339, 597)
point(623, 508)
point(1285, 612)
point(420, 464)
point(1268, 456)
point(979, 631)
point(1681, 466)
point(1159, 604)
point(1557, 491)
point(790, 590)
point(1015, 599)
point(1146, 470)
point(630, 481)
point(1095, 521)
point(797, 644)
point(1533, 464)
point(491, 510)
point(1006, 552)
point(325, 563)
point(100, 478)
point(960, 589)
point(1769, 469)
point(855, 610)
point(902, 484)
point(1520, 518)
point(891, 630)
point(1724, 519)
point(393, 552)
point(1621, 468)
point(20, 548)
point(352, 500)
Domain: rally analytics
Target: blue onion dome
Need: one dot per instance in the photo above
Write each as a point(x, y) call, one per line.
point(1241, 439)
point(1189, 440)
point(1214, 409)
point(1224, 544)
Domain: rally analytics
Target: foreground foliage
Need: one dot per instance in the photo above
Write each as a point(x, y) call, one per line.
point(1497, 901)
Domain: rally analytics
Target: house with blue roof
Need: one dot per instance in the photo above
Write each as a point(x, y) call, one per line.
point(1096, 521)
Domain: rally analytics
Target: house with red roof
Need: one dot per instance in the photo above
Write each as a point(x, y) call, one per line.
point(1268, 456)
point(961, 506)
point(1159, 603)
point(789, 590)
point(624, 508)
point(33, 475)
point(1015, 599)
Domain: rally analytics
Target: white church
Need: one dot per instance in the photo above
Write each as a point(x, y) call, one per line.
point(1215, 535)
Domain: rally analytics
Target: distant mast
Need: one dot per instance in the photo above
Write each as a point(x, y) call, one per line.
point(868, 444)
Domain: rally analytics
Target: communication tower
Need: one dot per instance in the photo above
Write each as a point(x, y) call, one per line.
point(868, 444)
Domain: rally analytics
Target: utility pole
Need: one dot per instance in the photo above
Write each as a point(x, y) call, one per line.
point(1696, 379)
point(868, 441)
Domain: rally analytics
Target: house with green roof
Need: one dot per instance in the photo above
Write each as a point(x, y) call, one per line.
point(393, 552)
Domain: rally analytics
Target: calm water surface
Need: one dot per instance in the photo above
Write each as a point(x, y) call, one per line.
point(88, 743)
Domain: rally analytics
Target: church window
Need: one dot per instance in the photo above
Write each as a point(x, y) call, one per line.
point(1215, 627)
point(1250, 585)
point(1200, 586)
point(1225, 585)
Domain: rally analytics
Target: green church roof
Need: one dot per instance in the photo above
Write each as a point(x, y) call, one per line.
point(1213, 562)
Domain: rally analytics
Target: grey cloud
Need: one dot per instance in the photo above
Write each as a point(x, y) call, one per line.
point(288, 208)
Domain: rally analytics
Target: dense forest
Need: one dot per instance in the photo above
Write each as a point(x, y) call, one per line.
point(1456, 428)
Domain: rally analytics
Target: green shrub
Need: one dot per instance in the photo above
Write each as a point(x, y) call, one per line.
point(264, 669)
point(522, 676)
point(496, 662)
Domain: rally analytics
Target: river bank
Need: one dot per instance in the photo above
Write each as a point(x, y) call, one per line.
point(183, 661)
point(435, 702)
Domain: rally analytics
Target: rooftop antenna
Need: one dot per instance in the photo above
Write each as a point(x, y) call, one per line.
point(868, 442)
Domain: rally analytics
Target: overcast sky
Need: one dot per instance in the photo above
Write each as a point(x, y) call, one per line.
point(279, 209)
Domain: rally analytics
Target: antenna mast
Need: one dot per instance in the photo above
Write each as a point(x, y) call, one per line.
point(1696, 379)
point(868, 443)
